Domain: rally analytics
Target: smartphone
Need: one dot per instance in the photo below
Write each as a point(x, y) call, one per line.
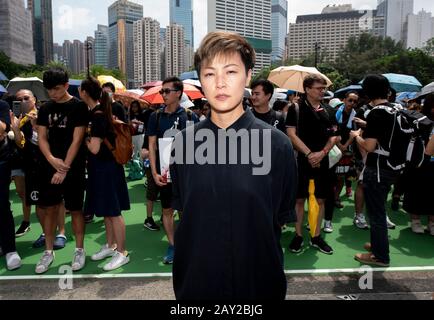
point(16, 108)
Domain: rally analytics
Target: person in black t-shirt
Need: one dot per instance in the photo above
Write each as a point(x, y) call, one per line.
point(262, 92)
point(313, 133)
point(118, 111)
point(62, 124)
point(137, 121)
point(377, 176)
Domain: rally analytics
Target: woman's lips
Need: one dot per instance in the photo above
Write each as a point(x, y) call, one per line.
point(222, 97)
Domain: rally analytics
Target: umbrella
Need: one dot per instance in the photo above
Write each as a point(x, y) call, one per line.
point(313, 211)
point(2, 89)
point(404, 97)
point(402, 82)
point(341, 92)
point(429, 88)
point(153, 95)
point(292, 77)
point(127, 97)
point(33, 84)
point(149, 85)
point(3, 77)
point(192, 75)
point(117, 83)
point(195, 83)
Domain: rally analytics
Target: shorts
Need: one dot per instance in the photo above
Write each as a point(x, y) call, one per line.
point(71, 191)
point(17, 173)
point(153, 190)
point(323, 178)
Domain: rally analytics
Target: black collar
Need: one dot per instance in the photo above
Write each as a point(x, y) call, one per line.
point(244, 122)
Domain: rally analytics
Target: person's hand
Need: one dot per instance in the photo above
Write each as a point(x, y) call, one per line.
point(144, 154)
point(15, 122)
point(59, 165)
point(58, 178)
point(360, 122)
point(159, 180)
point(315, 159)
point(355, 134)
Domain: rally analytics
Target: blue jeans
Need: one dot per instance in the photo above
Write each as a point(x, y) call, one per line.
point(375, 199)
point(7, 226)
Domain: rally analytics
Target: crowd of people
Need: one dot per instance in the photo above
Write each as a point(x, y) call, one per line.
point(56, 154)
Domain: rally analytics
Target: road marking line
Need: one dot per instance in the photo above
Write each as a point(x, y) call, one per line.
point(169, 275)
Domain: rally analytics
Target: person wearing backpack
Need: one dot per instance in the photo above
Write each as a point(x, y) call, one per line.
point(170, 117)
point(378, 176)
point(107, 191)
point(418, 181)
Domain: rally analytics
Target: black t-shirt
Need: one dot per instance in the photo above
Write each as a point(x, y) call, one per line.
point(314, 128)
point(31, 152)
point(273, 118)
point(4, 117)
point(234, 214)
point(119, 111)
point(61, 119)
point(100, 128)
point(379, 126)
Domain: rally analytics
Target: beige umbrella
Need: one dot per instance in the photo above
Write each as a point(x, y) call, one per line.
point(292, 77)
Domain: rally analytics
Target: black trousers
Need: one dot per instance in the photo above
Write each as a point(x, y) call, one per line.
point(7, 225)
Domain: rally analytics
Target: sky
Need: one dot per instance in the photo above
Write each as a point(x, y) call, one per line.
point(77, 19)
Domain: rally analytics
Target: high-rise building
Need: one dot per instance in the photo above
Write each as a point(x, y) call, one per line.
point(122, 14)
point(395, 13)
point(250, 18)
point(77, 62)
point(147, 54)
point(279, 28)
point(181, 13)
point(175, 46)
point(67, 53)
point(57, 52)
point(16, 39)
point(42, 29)
point(329, 31)
point(163, 52)
point(419, 29)
point(102, 46)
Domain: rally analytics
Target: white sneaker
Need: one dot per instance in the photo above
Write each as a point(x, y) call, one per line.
point(360, 221)
point(79, 260)
point(13, 261)
point(118, 260)
point(416, 227)
point(45, 262)
point(103, 253)
point(328, 227)
point(390, 224)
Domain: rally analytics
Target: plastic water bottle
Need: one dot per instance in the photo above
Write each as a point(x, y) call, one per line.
point(146, 163)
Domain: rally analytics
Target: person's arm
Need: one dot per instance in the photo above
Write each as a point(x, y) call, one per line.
point(18, 135)
point(94, 145)
point(369, 144)
point(429, 150)
point(153, 160)
point(296, 141)
point(316, 157)
point(58, 164)
point(77, 140)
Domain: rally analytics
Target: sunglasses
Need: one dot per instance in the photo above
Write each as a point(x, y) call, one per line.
point(23, 99)
point(167, 91)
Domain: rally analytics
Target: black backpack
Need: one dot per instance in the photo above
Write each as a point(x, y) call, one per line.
point(410, 133)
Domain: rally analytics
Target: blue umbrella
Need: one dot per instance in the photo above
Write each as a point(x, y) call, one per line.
point(403, 97)
point(341, 92)
point(2, 89)
point(402, 82)
point(189, 75)
point(3, 77)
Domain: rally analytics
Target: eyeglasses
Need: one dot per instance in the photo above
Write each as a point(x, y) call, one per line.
point(167, 91)
point(319, 88)
point(23, 99)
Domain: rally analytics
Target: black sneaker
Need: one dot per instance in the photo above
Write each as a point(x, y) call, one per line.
point(151, 225)
point(296, 244)
point(23, 229)
point(321, 245)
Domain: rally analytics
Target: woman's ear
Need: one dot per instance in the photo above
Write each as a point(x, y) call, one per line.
point(249, 78)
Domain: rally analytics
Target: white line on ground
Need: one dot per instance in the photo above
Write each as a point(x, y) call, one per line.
point(169, 275)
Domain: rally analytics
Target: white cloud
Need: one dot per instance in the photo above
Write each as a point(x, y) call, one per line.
point(73, 22)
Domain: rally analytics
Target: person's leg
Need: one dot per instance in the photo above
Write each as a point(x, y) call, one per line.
point(7, 225)
point(118, 225)
point(359, 199)
point(169, 225)
point(50, 225)
point(338, 190)
point(78, 227)
point(149, 208)
point(20, 185)
point(321, 204)
point(299, 209)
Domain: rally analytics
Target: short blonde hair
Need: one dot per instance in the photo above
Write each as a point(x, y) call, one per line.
point(223, 42)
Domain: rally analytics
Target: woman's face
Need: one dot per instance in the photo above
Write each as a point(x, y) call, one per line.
point(135, 108)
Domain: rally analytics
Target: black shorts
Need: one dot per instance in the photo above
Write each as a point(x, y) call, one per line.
point(153, 190)
point(323, 178)
point(71, 191)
